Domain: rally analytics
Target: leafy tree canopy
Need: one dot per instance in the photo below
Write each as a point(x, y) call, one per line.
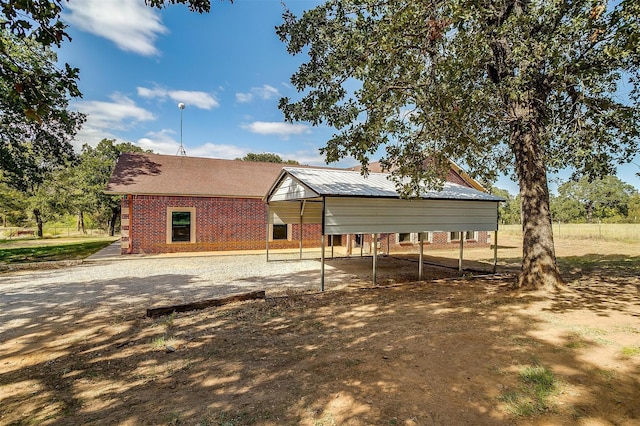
point(529, 86)
point(597, 199)
point(266, 157)
point(33, 138)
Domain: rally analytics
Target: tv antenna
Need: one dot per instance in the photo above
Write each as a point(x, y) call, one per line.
point(181, 150)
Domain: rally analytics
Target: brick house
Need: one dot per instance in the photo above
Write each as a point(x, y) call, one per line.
point(190, 204)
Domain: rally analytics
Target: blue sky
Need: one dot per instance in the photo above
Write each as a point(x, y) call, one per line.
point(228, 67)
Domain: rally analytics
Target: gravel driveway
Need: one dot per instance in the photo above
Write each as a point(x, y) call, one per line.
point(128, 286)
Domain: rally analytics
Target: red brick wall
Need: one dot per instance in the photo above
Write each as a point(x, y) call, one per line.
point(238, 224)
point(439, 240)
point(221, 224)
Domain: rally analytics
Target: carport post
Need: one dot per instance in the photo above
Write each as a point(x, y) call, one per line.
point(462, 234)
point(302, 204)
point(267, 233)
point(332, 256)
point(375, 257)
point(322, 264)
point(495, 250)
point(421, 266)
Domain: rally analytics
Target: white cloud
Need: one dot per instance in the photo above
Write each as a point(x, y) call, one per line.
point(202, 100)
point(244, 98)
point(212, 150)
point(130, 24)
point(103, 118)
point(116, 115)
point(163, 142)
point(276, 128)
point(265, 92)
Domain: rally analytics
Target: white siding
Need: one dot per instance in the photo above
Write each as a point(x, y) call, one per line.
point(381, 215)
point(289, 212)
point(291, 189)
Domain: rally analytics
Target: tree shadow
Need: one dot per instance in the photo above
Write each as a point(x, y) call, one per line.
point(130, 167)
point(438, 352)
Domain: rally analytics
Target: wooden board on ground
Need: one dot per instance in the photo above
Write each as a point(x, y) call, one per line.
point(203, 304)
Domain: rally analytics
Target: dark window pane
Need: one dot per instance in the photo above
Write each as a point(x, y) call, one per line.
point(180, 227)
point(279, 232)
point(404, 238)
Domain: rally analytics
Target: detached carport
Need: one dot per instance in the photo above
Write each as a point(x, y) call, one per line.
point(346, 202)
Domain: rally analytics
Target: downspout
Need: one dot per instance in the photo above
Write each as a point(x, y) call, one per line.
point(130, 249)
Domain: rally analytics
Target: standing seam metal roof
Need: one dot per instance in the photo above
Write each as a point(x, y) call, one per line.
point(345, 183)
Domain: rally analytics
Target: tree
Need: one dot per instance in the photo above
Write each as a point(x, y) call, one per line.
point(90, 178)
point(508, 211)
point(600, 198)
point(29, 133)
point(12, 205)
point(634, 208)
point(266, 157)
point(523, 86)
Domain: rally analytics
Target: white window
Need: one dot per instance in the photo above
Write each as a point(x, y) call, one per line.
point(413, 237)
point(468, 236)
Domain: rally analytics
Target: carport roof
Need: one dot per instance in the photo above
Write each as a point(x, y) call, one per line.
point(346, 183)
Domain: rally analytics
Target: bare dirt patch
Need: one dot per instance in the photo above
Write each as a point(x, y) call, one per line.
point(451, 350)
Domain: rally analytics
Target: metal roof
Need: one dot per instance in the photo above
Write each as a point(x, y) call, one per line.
point(345, 183)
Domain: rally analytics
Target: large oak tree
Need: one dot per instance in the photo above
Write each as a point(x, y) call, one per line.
point(513, 86)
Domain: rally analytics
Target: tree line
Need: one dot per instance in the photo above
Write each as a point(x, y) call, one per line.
point(76, 188)
point(607, 199)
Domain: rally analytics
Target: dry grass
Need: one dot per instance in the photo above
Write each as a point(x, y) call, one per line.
point(624, 232)
point(448, 351)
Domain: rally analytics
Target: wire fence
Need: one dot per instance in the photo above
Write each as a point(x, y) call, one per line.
point(625, 232)
point(10, 233)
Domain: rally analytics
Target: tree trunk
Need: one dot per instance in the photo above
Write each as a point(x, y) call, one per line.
point(115, 213)
point(38, 218)
point(589, 210)
point(80, 222)
point(539, 268)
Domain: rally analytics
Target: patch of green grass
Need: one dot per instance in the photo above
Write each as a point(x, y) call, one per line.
point(46, 253)
point(577, 344)
point(538, 385)
point(162, 341)
point(607, 375)
point(630, 351)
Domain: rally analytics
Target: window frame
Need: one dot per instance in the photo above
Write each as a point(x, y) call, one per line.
point(474, 236)
point(414, 237)
point(192, 224)
point(289, 232)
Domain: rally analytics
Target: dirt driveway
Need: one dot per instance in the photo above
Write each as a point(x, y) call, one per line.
point(125, 287)
point(75, 348)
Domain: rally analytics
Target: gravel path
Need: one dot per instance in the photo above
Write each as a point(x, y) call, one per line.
point(128, 286)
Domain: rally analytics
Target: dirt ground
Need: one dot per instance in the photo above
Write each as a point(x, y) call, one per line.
point(448, 351)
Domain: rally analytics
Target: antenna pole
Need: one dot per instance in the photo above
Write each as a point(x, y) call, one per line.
point(181, 150)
